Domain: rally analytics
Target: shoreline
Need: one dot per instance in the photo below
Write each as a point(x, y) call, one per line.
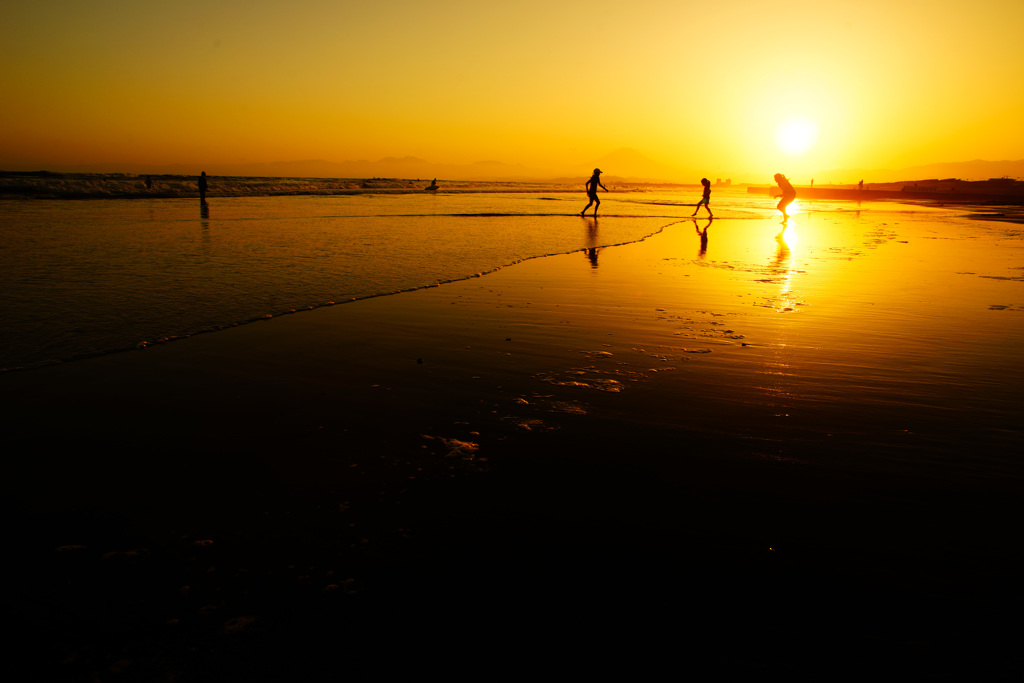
point(144, 344)
point(533, 461)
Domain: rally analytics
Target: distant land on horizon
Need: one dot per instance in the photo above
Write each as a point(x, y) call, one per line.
point(624, 165)
point(977, 169)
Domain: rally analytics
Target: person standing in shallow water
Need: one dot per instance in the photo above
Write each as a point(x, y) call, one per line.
point(706, 199)
point(202, 187)
point(592, 185)
point(788, 194)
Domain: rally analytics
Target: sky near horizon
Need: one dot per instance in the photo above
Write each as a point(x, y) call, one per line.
point(704, 88)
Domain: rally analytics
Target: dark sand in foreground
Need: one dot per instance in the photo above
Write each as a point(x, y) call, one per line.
point(530, 470)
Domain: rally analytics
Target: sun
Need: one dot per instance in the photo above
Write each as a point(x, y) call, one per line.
point(796, 136)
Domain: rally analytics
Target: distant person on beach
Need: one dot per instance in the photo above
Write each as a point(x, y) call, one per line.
point(788, 194)
point(149, 183)
point(202, 187)
point(860, 185)
point(706, 199)
point(592, 185)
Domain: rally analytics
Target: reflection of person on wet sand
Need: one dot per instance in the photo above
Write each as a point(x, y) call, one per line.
point(703, 234)
point(592, 185)
point(706, 199)
point(591, 249)
point(782, 254)
point(788, 194)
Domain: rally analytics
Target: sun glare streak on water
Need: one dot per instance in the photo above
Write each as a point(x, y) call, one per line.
point(893, 323)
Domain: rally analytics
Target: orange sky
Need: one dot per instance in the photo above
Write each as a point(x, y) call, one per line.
point(553, 85)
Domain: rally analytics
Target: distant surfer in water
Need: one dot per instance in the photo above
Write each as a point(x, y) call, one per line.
point(788, 194)
point(706, 199)
point(592, 185)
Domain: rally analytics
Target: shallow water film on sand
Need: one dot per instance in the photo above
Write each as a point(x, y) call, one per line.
point(875, 337)
point(90, 277)
point(94, 276)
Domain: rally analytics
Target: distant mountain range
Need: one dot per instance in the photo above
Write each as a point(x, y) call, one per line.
point(622, 165)
point(388, 167)
point(627, 165)
point(633, 166)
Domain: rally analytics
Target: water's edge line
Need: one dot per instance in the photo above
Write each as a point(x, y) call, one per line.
point(143, 344)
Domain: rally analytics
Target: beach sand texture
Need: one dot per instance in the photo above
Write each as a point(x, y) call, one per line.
point(766, 450)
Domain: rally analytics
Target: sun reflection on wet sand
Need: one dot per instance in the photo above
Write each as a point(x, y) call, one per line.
point(860, 327)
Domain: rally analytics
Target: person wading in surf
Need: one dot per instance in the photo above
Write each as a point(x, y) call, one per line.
point(706, 199)
point(592, 185)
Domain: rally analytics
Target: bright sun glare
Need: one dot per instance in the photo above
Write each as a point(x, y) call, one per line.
point(796, 136)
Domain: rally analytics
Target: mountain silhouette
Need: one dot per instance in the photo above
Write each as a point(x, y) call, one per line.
point(626, 162)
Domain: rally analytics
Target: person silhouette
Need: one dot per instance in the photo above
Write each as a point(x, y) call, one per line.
point(788, 194)
point(202, 187)
point(592, 185)
point(706, 199)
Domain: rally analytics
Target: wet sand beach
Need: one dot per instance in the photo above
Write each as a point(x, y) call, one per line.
point(786, 451)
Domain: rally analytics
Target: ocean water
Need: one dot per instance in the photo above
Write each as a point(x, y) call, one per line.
point(87, 277)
